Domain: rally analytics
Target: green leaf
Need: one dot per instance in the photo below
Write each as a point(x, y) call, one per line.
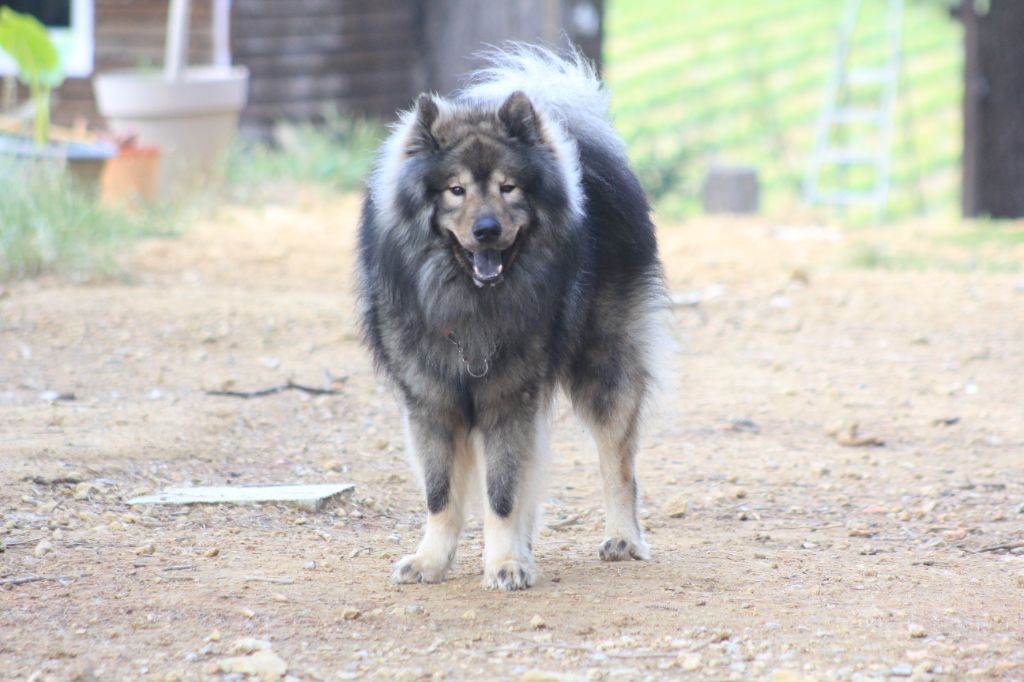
point(24, 38)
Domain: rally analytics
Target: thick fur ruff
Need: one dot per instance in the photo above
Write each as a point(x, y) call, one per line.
point(506, 249)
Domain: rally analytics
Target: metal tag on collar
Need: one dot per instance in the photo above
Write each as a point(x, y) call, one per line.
point(470, 372)
point(450, 335)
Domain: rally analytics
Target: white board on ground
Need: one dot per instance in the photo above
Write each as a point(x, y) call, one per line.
point(309, 496)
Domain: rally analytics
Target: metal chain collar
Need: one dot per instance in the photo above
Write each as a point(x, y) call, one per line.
point(472, 369)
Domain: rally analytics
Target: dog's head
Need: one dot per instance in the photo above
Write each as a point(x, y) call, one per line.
point(484, 171)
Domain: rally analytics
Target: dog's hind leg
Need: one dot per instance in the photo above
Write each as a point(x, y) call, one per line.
point(617, 443)
point(608, 388)
point(515, 454)
point(444, 460)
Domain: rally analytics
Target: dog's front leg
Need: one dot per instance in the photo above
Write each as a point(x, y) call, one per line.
point(515, 447)
point(441, 454)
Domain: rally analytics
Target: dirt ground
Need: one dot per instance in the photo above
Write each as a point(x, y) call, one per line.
point(785, 547)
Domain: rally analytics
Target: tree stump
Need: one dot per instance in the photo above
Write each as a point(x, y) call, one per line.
point(731, 189)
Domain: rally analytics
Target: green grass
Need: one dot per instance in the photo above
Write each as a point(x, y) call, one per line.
point(333, 154)
point(972, 246)
point(744, 82)
point(983, 234)
point(868, 256)
point(49, 225)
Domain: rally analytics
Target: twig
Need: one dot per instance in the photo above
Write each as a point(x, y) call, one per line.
point(261, 579)
point(180, 567)
point(60, 480)
point(290, 386)
point(27, 541)
point(24, 579)
point(997, 548)
point(592, 650)
point(564, 522)
point(808, 528)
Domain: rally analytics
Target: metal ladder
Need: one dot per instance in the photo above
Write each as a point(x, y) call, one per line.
point(831, 149)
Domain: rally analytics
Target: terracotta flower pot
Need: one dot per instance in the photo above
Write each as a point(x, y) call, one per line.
point(130, 178)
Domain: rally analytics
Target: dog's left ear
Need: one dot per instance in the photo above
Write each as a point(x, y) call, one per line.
point(520, 118)
point(427, 114)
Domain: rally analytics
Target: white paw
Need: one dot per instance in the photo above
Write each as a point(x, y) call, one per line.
point(510, 576)
point(414, 568)
point(620, 549)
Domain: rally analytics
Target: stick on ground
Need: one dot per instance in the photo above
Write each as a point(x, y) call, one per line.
point(290, 386)
point(23, 580)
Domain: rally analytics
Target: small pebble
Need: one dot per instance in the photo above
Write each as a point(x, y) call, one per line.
point(916, 631)
point(264, 664)
point(145, 550)
point(537, 623)
point(43, 548)
point(84, 490)
point(786, 676)
point(924, 667)
point(675, 508)
point(212, 552)
point(548, 676)
point(247, 645)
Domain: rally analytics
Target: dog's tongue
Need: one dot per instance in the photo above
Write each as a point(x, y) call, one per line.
point(487, 265)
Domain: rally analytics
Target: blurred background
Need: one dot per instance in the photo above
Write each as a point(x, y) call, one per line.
point(847, 110)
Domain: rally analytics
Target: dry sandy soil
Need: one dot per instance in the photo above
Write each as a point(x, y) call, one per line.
point(785, 548)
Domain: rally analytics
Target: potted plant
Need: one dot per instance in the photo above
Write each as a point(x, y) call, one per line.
point(191, 113)
point(25, 40)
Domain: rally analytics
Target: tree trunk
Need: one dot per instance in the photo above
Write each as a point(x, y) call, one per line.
point(993, 164)
point(455, 31)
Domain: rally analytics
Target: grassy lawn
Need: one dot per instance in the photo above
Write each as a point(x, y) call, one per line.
point(739, 81)
point(48, 224)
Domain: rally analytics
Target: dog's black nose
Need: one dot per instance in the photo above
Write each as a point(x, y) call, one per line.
point(486, 230)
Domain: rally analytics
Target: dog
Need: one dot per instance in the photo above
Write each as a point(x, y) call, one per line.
point(506, 250)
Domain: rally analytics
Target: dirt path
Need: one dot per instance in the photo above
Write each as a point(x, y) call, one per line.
point(795, 555)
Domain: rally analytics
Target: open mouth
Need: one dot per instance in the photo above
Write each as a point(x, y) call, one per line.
point(486, 266)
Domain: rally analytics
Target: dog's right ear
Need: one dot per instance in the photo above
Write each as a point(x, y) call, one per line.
point(427, 113)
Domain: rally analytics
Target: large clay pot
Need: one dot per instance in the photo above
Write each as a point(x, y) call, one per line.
point(192, 119)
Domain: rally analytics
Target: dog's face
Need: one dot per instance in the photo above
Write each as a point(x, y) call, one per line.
point(481, 173)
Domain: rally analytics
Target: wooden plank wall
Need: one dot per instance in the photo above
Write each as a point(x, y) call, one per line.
point(305, 57)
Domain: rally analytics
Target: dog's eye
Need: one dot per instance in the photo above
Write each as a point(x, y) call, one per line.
point(457, 190)
point(506, 189)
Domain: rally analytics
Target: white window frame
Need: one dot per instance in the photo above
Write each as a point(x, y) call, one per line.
point(75, 44)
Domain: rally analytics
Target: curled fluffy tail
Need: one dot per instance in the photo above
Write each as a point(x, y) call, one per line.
point(566, 89)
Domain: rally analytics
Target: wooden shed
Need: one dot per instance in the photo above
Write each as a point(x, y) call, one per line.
point(357, 57)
